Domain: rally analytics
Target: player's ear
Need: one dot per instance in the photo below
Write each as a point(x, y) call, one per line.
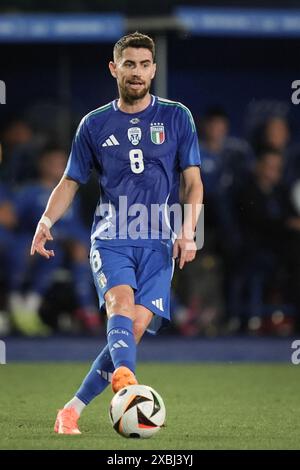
point(154, 71)
point(112, 67)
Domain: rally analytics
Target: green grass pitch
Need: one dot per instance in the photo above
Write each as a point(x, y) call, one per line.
point(209, 406)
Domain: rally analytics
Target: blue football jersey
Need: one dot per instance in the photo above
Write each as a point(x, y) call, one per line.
point(138, 157)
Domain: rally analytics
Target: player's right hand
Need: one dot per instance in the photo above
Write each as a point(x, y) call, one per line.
point(41, 236)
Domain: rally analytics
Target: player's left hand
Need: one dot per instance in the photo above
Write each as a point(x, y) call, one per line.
point(184, 250)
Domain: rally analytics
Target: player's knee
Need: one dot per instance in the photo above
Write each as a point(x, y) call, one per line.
point(121, 304)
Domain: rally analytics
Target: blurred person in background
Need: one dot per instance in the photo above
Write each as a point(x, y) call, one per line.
point(226, 158)
point(276, 134)
point(226, 162)
point(21, 147)
point(270, 231)
point(8, 221)
point(30, 278)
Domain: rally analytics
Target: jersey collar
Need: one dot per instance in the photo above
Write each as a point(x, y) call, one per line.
point(149, 107)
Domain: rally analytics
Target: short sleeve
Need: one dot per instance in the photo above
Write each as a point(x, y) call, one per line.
point(188, 145)
point(80, 162)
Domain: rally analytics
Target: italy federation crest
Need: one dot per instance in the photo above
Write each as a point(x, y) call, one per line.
point(157, 131)
point(102, 280)
point(134, 135)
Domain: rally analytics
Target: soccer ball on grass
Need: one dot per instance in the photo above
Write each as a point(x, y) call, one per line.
point(137, 411)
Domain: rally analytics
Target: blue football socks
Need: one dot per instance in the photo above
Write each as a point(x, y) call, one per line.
point(120, 351)
point(121, 341)
point(98, 377)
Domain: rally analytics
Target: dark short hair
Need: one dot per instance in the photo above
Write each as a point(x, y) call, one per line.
point(52, 147)
point(265, 151)
point(215, 112)
point(136, 39)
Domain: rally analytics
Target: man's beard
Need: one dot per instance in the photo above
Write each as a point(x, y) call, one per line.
point(130, 96)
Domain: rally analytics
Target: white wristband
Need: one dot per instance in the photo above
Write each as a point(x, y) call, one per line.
point(46, 221)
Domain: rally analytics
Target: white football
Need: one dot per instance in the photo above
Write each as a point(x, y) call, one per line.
point(137, 411)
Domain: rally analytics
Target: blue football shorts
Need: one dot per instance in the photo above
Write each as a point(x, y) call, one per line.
point(149, 272)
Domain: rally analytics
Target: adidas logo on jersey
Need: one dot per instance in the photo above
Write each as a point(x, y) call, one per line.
point(110, 141)
point(158, 304)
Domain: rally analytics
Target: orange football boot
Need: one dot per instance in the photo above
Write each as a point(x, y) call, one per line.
point(122, 377)
point(66, 421)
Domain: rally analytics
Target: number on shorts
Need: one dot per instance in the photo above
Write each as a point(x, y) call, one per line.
point(96, 261)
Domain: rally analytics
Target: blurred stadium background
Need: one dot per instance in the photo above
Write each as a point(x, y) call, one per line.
point(238, 305)
point(233, 64)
